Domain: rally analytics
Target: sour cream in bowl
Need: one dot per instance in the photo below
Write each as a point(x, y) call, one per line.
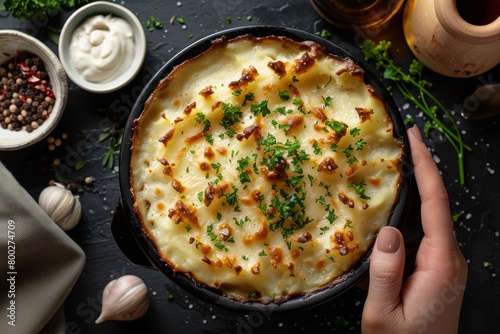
point(102, 47)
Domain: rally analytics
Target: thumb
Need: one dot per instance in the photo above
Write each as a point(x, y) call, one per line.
point(386, 270)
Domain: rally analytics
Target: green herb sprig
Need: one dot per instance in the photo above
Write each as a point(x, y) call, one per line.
point(27, 9)
point(115, 142)
point(407, 84)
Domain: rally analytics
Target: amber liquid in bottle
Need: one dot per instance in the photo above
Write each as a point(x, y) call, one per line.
point(357, 13)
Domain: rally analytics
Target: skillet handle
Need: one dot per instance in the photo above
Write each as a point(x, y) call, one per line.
point(125, 239)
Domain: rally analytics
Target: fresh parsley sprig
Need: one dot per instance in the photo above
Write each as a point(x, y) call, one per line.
point(27, 9)
point(407, 84)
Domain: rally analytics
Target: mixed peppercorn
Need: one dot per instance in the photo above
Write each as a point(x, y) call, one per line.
point(26, 97)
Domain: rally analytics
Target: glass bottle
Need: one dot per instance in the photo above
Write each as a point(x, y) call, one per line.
point(363, 14)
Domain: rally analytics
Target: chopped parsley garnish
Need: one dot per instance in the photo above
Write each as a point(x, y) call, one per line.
point(359, 189)
point(355, 132)
point(188, 227)
point(241, 222)
point(324, 229)
point(200, 117)
point(328, 101)
point(248, 97)
point(336, 126)
point(245, 178)
point(284, 95)
point(230, 133)
point(209, 138)
point(282, 111)
point(237, 92)
point(348, 150)
point(232, 114)
point(217, 243)
point(294, 79)
point(331, 216)
point(260, 108)
point(231, 197)
point(348, 223)
point(320, 200)
point(352, 160)
point(216, 166)
point(254, 166)
point(244, 257)
point(311, 179)
point(262, 253)
point(294, 181)
point(220, 245)
point(297, 101)
point(242, 165)
point(218, 178)
point(284, 127)
point(327, 188)
point(275, 152)
point(290, 213)
point(210, 232)
point(360, 144)
point(200, 196)
point(317, 149)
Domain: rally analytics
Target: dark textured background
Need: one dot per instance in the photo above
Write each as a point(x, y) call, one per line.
point(173, 310)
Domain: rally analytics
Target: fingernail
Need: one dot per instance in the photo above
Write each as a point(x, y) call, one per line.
point(388, 240)
point(416, 132)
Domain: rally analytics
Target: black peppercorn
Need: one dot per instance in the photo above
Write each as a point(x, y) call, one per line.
point(24, 106)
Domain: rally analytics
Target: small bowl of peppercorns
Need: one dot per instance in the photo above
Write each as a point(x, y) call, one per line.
point(33, 90)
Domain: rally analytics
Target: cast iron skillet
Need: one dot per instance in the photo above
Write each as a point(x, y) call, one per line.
point(127, 228)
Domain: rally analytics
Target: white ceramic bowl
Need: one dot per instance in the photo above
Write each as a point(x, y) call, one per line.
point(12, 41)
point(76, 19)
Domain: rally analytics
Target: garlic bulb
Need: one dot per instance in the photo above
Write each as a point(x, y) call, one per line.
point(125, 298)
point(60, 205)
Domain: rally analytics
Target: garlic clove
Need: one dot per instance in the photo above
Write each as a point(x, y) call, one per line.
point(125, 298)
point(61, 206)
point(70, 220)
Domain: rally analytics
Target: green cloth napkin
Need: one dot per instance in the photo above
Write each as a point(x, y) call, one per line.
point(39, 262)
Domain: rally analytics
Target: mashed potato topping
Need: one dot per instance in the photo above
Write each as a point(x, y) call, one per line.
point(264, 168)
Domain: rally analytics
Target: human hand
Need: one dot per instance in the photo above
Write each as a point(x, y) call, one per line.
point(429, 300)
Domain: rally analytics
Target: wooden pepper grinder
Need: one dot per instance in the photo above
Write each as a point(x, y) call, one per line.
point(456, 38)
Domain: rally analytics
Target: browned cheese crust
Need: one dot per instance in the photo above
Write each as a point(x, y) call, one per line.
point(264, 168)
